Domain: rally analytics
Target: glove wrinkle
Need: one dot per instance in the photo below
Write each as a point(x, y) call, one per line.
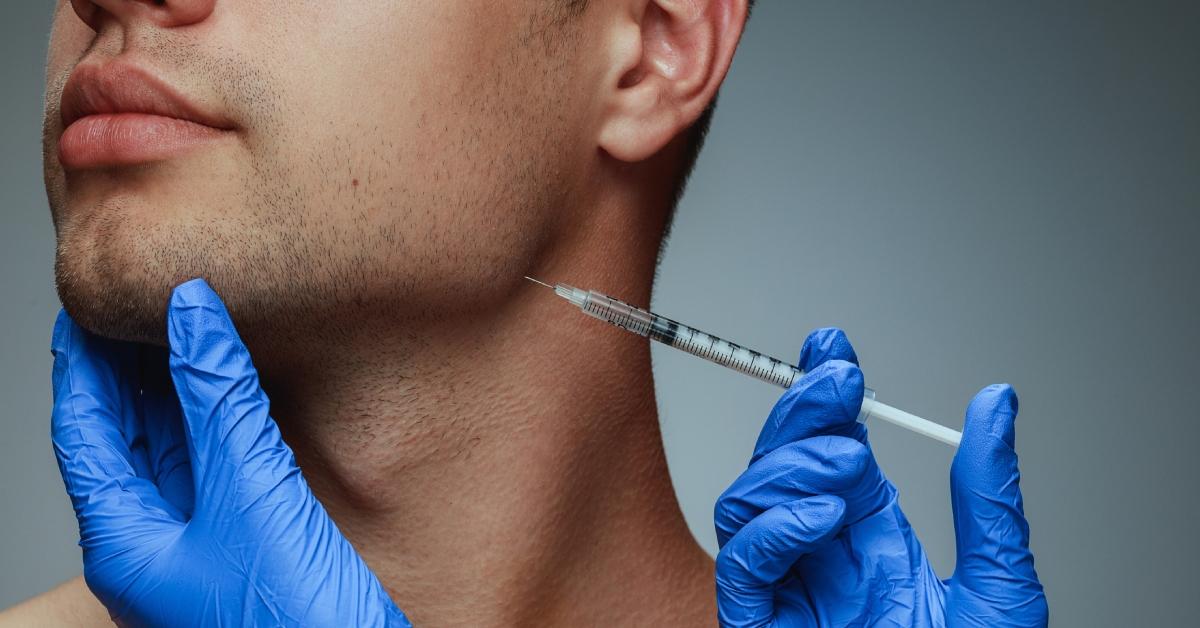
point(873, 572)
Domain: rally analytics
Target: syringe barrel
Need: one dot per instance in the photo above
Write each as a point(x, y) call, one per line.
point(696, 342)
point(618, 313)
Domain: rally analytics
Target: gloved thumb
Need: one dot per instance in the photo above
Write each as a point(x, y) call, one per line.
point(989, 518)
point(231, 436)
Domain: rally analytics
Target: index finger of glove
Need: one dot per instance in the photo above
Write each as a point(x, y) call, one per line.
point(825, 401)
point(230, 433)
point(825, 344)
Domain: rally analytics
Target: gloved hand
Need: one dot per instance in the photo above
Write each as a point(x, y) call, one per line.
point(812, 534)
point(191, 508)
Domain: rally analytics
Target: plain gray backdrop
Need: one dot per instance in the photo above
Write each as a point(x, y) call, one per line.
point(976, 192)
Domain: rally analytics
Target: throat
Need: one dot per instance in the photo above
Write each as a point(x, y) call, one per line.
point(485, 487)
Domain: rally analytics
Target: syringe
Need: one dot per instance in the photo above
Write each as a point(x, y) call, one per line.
point(729, 355)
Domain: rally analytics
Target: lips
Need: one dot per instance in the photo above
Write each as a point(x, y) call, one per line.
point(118, 114)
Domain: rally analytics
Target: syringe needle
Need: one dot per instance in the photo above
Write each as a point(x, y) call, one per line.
point(539, 282)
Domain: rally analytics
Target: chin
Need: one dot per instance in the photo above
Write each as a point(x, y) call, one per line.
point(107, 285)
point(110, 309)
point(118, 257)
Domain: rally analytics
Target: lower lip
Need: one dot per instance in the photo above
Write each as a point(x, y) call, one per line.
point(125, 139)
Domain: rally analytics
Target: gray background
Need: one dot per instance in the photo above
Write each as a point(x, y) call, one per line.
point(975, 192)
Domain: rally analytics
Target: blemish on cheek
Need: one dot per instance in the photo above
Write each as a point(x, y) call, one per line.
point(354, 182)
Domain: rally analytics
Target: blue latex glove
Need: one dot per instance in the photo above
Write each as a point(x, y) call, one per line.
point(191, 508)
point(812, 534)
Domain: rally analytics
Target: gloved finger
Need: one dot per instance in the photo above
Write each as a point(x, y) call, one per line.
point(814, 466)
point(751, 565)
point(823, 345)
point(162, 424)
point(989, 519)
point(232, 440)
point(122, 357)
point(825, 401)
point(93, 456)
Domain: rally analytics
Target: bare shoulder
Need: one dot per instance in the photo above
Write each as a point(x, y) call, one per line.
point(68, 604)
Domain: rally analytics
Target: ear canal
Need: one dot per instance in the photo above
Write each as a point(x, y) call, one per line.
point(631, 78)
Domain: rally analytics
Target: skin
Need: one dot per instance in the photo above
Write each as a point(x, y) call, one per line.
point(390, 172)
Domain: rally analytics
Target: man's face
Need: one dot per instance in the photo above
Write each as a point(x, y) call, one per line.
point(317, 161)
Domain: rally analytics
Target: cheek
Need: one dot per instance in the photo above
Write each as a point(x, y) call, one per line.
point(411, 121)
point(69, 38)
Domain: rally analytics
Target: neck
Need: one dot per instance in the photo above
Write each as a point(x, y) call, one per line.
point(502, 468)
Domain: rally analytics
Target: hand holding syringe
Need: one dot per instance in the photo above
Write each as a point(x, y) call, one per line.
point(730, 355)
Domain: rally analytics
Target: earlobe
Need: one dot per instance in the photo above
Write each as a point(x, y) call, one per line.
point(665, 78)
point(643, 121)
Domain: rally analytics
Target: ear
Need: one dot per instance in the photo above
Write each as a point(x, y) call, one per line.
point(667, 61)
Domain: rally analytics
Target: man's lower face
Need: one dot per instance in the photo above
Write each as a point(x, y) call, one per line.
point(305, 168)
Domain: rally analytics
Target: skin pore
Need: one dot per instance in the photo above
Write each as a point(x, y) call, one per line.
point(386, 174)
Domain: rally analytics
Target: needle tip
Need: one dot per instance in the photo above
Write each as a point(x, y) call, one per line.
point(539, 282)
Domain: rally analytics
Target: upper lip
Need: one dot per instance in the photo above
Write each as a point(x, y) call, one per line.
point(121, 87)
